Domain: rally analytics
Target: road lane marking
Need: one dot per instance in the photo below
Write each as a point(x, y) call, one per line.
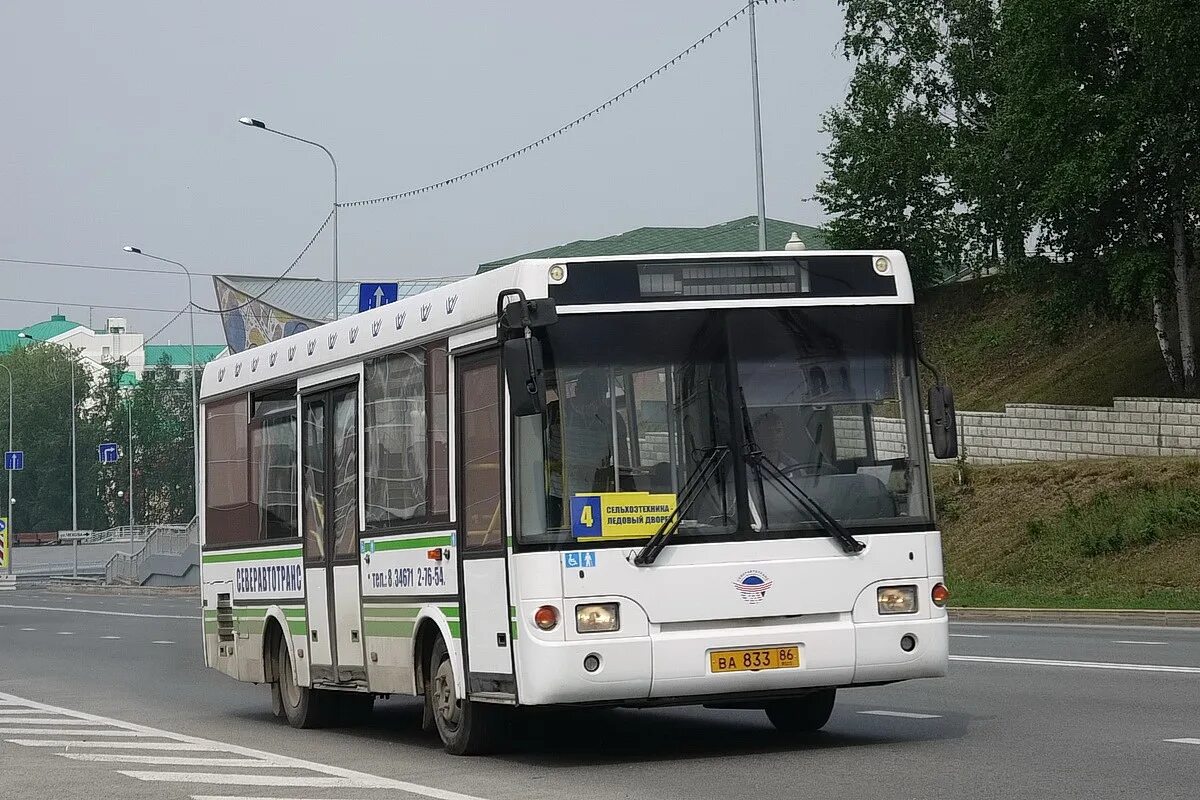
point(68, 744)
point(29, 629)
point(1183, 741)
point(231, 779)
point(1133, 641)
point(1046, 662)
point(904, 714)
point(175, 761)
point(162, 641)
point(98, 611)
point(110, 637)
point(66, 633)
point(339, 775)
point(969, 636)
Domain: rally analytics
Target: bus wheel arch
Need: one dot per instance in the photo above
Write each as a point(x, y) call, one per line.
point(429, 628)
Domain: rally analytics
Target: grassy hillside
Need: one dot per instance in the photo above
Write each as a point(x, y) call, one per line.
point(1082, 534)
point(994, 350)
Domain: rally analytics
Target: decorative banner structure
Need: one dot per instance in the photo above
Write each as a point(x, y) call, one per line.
point(619, 515)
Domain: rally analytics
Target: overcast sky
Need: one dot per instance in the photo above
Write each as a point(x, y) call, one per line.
point(119, 126)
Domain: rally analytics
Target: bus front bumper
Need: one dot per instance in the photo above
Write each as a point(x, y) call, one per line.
point(675, 662)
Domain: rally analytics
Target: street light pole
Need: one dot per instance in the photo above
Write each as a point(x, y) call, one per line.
point(758, 154)
point(255, 123)
point(74, 459)
point(192, 333)
point(130, 407)
point(9, 497)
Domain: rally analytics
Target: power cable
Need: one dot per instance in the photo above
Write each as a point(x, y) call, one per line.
point(563, 129)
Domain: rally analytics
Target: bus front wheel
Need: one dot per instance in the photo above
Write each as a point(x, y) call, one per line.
point(304, 707)
point(805, 714)
point(464, 727)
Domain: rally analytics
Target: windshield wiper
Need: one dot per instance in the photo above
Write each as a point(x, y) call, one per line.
point(687, 496)
point(757, 459)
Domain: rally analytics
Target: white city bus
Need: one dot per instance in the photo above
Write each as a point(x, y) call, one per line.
point(628, 481)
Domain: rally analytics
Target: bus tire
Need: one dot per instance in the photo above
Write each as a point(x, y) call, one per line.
point(304, 707)
point(807, 714)
point(465, 727)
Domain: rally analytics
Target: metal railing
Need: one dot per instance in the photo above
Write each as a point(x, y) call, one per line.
point(120, 533)
point(162, 540)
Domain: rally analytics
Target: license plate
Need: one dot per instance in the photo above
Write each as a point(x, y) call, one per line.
point(754, 659)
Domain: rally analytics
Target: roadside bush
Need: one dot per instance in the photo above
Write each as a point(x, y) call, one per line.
point(1115, 522)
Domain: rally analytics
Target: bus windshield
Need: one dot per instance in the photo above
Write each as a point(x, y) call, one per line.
point(638, 405)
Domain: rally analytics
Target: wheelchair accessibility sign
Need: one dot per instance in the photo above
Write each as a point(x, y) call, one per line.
point(579, 560)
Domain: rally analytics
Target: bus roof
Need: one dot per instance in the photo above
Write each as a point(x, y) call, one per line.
point(465, 304)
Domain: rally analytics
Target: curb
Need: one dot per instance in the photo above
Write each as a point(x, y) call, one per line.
point(1080, 616)
point(162, 591)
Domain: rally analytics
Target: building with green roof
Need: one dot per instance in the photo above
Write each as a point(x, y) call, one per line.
point(109, 345)
point(735, 236)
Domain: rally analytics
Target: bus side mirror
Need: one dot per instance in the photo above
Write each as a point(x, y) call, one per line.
point(522, 361)
point(943, 427)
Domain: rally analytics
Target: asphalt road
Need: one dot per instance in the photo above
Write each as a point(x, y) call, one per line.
point(1027, 712)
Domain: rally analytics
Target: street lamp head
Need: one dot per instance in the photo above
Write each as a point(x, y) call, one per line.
point(131, 249)
point(253, 123)
point(23, 335)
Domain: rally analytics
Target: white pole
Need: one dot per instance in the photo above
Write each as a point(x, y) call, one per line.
point(74, 458)
point(11, 535)
point(131, 476)
point(758, 155)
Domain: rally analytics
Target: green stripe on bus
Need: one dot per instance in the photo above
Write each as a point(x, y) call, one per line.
point(389, 628)
point(455, 628)
point(298, 627)
point(412, 544)
point(252, 555)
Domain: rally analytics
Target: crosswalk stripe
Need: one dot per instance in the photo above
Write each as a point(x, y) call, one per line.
point(1186, 740)
point(165, 746)
point(231, 779)
point(176, 761)
point(46, 721)
point(240, 797)
point(73, 732)
point(332, 776)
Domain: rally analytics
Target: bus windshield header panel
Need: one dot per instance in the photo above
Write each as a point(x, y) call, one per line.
point(723, 278)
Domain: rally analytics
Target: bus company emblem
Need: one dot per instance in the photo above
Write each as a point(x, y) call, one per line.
point(375, 326)
point(271, 359)
point(451, 302)
point(312, 346)
point(425, 309)
point(254, 364)
point(353, 334)
point(400, 319)
point(221, 374)
point(237, 369)
point(752, 586)
point(332, 340)
point(292, 353)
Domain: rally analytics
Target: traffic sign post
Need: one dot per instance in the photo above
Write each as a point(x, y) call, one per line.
point(14, 460)
point(74, 537)
point(374, 295)
point(109, 453)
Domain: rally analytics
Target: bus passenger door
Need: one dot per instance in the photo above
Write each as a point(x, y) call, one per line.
point(329, 515)
point(483, 546)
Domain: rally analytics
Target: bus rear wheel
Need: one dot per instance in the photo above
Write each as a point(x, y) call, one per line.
point(465, 727)
point(304, 707)
point(807, 714)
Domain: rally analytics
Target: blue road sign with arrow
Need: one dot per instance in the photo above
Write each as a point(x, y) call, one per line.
point(109, 453)
point(374, 295)
point(14, 460)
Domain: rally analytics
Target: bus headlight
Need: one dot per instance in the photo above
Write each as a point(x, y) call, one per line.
point(597, 618)
point(897, 599)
